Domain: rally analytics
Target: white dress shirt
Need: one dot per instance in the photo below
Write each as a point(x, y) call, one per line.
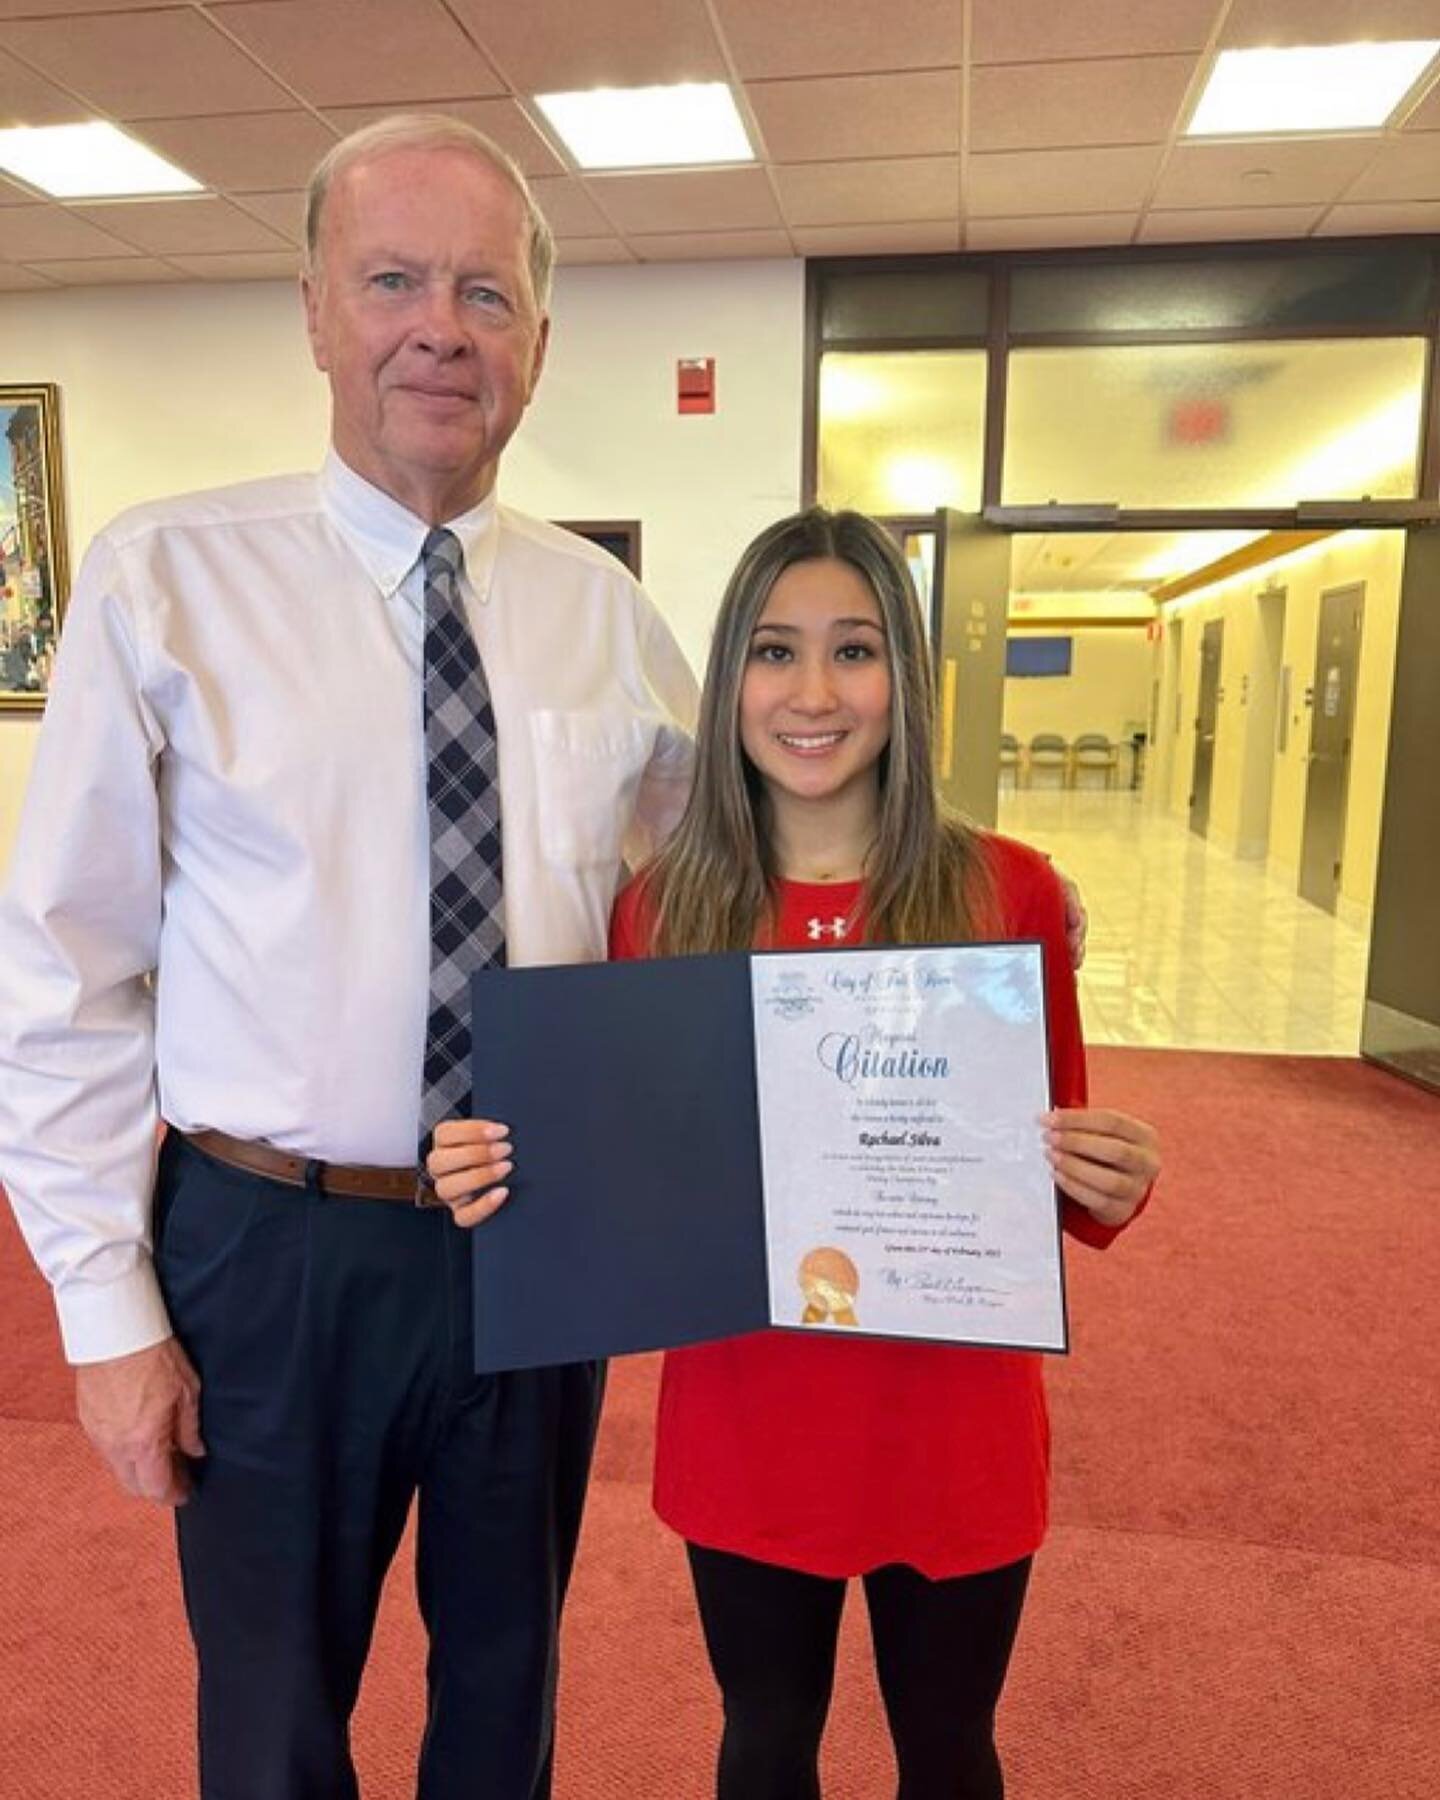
point(229, 792)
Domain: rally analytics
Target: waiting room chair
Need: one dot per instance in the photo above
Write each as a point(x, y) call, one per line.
point(1048, 750)
point(1009, 758)
point(1093, 750)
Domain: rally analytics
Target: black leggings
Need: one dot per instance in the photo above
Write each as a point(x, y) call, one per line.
point(941, 1652)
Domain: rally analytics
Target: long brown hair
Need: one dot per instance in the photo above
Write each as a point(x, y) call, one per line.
point(926, 878)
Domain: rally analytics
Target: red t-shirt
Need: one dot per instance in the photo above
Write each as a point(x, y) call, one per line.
point(838, 1455)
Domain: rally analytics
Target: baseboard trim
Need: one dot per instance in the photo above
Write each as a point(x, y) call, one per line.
point(1402, 1043)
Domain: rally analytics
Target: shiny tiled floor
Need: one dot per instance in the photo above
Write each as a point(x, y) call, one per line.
point(1187, 945)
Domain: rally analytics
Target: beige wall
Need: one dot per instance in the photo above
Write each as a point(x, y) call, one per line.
point(1107, 689)
point(604, 439)
point(1372, 557)
point(169, 388)
point(161, 389)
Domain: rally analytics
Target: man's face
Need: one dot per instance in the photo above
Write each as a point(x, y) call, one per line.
point(420, 311)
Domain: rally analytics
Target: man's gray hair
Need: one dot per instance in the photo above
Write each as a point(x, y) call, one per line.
point(429, 131)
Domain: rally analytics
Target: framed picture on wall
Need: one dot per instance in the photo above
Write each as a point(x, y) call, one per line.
point(621, 537)
point(34, 572)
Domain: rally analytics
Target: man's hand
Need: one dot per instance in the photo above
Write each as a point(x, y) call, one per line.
point(142, 1413)
point(1077, 920)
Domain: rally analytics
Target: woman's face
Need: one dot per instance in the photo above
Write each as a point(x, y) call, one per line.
point(815, 697)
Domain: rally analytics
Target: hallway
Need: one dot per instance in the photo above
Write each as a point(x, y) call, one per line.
point(1188, 946)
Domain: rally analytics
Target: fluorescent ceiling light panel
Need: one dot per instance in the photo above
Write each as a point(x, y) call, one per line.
point(649, 128)
point(89, 162)
point(848, 393)
point(1331, 87)
point(921, 483)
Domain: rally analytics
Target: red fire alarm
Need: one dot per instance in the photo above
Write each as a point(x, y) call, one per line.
point(695, 384)
point(1198, 421)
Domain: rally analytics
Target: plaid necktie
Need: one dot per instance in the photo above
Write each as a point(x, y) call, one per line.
point(467, 927)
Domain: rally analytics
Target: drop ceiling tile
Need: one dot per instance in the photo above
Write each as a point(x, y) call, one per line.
point(43, 233)
point(1048, 183)
point(711, 246)
point(1053, 105)
point(1426, 116)
point(1224, 224)
point(1027, 31)
point(29, 99)
point(244, 151)
point(876, 240)
point(503, 120)
point(569, 208)
point(1041, 233)
point(14, 280)
point(565, 44)
point(1404, 168)
point(592, 250)
point(1403, 216)
point(48, 9)
point(362, 52)
point(704, 200)
point(259, 266)
point(108, 271)
point(845, 193)
point(195, 227)
point(1263, 172)
point(145, 65)
point(839, 37)
point(284, 213)
point(859, 115)
point(1252, 23)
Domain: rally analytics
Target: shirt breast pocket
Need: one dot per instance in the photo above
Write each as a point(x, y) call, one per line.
point(587, 769)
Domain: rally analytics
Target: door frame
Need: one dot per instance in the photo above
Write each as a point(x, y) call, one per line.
point(1213, 631)
point(1321, 518)
point(1331, 904)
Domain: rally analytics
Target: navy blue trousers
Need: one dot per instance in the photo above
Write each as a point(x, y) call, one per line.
point(334, 1344)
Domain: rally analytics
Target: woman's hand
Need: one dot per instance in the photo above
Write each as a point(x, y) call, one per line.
point(1104, 1160)
point(468, 1158)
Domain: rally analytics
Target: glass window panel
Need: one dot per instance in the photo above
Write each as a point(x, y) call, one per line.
point(1216, 425)
point(1386, 287)
point(895, 304)
point(918, 548)
point(902, 431)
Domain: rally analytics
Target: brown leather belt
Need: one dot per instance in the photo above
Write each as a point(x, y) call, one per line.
point(411, 1187)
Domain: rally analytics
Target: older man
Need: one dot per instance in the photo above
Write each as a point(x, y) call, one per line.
point(317, 748)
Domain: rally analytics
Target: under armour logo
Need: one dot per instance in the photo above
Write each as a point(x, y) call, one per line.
point(817, 928)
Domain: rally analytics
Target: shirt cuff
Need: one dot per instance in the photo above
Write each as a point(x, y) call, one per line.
point(1087, 1229)
point(116, 1318)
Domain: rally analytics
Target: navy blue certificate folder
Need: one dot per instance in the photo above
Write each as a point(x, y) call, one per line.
point(658, 1238)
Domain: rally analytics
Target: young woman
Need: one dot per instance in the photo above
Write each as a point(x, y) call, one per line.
point(792, 1461)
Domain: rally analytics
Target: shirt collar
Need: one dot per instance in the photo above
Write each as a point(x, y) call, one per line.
point(387, 536)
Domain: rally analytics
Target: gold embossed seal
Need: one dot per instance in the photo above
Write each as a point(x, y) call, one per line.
point(829, 1281)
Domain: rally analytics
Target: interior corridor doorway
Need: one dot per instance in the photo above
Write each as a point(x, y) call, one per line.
point(1207, 720)
point(1327, 781)
point(1230, 718)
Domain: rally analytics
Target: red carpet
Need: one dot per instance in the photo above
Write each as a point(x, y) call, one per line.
point(1240, 1599)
